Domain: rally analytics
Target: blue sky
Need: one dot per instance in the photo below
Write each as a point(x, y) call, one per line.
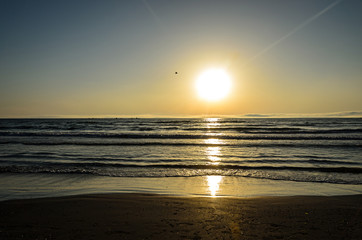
point(97, 58)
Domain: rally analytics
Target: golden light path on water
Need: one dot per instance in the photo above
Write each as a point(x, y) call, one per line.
point(213, 183)
point(213, 154)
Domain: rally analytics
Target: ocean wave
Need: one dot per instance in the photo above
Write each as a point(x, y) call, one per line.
point(55, 159)
point(316, 150)
point(342, 145)
point(276, 130)
point(96, 165)
point(102, 135)
point(330, 175)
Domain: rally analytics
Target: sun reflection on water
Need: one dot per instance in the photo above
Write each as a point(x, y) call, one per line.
point(212, 141)
point(213, 154)
point(214, 184)
point(212, 120)
point(212, 124)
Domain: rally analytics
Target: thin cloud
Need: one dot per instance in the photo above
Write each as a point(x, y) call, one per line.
point(152, 12)
point(296, 29)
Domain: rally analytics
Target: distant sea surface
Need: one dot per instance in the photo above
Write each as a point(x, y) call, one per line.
point(300, 150)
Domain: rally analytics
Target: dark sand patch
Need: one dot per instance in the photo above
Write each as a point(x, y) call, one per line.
point(138, 216)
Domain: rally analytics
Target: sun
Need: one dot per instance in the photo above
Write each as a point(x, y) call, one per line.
point(213, 84)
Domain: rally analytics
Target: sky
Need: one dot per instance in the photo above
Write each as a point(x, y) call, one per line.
point(118, 58)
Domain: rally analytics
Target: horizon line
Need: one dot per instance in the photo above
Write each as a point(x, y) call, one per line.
point(346, 114)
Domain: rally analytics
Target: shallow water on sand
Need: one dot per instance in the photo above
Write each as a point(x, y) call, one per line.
point(22, 186)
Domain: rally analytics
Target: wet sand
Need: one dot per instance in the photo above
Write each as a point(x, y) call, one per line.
point(139, 216)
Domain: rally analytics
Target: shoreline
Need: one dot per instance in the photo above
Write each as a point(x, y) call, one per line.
point(152, 216)
point(27, 186)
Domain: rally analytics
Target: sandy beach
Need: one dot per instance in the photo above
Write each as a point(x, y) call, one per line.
point(140, 216)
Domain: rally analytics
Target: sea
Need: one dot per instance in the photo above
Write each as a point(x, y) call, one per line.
point(237, 157)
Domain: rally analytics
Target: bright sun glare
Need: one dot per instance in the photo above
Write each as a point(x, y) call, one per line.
point(213, 84)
